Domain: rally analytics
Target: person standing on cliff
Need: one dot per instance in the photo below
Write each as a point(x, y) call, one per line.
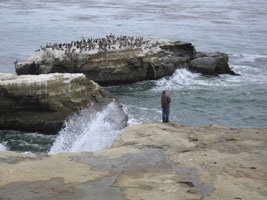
point(165, 105)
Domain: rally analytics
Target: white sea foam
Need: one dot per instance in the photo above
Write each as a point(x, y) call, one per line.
point(249, 75)
point(131, 119)
point(138, 115)
point(184, 79)
point(181, 77)
point(89, 130)
point(3, 147)
point(244, 57)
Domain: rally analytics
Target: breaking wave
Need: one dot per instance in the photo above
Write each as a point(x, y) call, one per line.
point(184, 79)
point(244, 57)
point(2, 147)
point(90, 130)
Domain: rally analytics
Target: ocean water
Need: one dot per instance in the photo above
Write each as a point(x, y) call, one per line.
point(89, 130)
point(238, 28)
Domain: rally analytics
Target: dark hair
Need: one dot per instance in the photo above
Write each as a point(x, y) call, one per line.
point(164, 92)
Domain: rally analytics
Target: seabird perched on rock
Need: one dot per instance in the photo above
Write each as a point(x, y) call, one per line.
point(109, 42)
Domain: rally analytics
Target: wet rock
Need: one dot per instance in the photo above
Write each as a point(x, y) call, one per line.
point(41, 103)
point(211, 64)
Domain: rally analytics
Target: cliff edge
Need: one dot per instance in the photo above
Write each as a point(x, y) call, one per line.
point(148, 161)
point(41, 103)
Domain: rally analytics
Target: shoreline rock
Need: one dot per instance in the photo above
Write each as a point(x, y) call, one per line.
point(211, 64)
point(147, 161)
point(121, 61)
point(41, 103)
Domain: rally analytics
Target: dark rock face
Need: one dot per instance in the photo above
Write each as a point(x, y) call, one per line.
point(41, 103)
point(177, 55)
point(211, 64)
point(116, 66)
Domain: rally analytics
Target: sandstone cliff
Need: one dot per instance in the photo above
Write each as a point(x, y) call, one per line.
point(118, 63)
point(42, 102)
point(149, 161)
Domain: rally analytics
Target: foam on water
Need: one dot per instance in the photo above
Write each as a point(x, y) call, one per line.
point(249, 75)
point(26, 142)
point(184, 79)
point(2, 147)
point(181, 77)
point(144, 114)
point(245, 57)
point(89, 130)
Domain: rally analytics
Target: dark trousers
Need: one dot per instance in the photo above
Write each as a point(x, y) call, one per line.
point(165, 115)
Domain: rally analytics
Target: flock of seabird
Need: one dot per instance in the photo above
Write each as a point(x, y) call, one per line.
point(110, 42)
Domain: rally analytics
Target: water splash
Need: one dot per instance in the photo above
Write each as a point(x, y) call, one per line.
point(90, 130)
point(181, 77)
point(2, 147)
point(184, 79)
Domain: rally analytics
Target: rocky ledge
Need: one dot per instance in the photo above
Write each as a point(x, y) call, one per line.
point(42, 102)
point(119, 60)
point(149, 161)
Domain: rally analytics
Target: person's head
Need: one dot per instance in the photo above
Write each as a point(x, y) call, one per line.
point(164, 92)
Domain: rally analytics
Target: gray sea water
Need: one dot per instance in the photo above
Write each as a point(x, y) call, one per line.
point(236, 27)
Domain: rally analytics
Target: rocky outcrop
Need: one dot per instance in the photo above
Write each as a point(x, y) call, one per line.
point(153, 59)
point(42, 102)
point(211, 64)
point(148, 161)
point(111, 60)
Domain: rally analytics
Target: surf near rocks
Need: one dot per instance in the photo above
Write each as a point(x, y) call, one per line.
point(41, 103)
point(114, 60)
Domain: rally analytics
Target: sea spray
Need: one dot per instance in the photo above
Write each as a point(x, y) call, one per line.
point(183, 79)
point(2, 147)
point(90, 129)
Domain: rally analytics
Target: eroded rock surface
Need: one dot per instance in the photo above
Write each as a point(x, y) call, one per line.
point(119, 60)
point(42, 102)
point(152, 59)
point(149, 161)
